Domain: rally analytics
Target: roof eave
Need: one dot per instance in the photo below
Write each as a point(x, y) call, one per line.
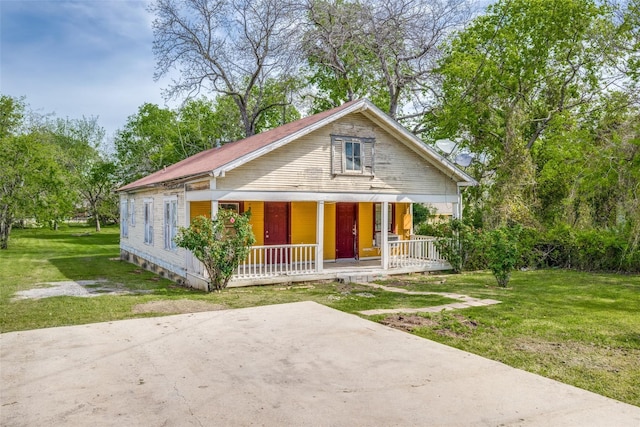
point(166, 183)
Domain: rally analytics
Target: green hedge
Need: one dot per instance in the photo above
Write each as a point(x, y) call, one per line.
point(559, 247)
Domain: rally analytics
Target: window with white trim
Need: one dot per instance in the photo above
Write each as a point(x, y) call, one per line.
point(148, 221)
point(132, 212)
point(170, 223)
point(352, 155)
point(124, 228)
point(377, 222)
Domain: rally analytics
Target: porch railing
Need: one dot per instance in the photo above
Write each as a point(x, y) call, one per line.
point(267, 261)
point(278, 260)
point(419, 250)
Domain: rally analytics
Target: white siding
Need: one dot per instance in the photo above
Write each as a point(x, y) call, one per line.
point(173, 260)
point(305, 165)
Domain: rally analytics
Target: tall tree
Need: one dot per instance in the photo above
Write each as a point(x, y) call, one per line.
point(384, 49)
point(90, 174)
point(520, 69)
point(96, 189)
point(229, 47)
point(31, 181)
point(146, 143)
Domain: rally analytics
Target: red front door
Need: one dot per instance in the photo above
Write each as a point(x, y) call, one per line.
point(346, 230)
point(276, 229)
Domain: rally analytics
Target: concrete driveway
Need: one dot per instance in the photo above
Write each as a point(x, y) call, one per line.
point(293, 364)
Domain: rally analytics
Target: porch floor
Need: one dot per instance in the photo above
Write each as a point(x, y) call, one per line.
point(350, 270)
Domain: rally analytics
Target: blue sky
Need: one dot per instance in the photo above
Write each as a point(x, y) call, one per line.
point(79, 58)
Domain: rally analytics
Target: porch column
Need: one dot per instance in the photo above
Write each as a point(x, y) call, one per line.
point(214, 203)
point(412, 232)
point(214, 209)
point(320, 236)
point(457, 207)
point(385, 236)
point(187, 212)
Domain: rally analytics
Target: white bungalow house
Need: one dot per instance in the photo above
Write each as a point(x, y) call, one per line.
point(329, 194)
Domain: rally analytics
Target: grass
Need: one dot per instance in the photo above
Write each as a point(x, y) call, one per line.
point(578, 328)
point(75, 253)
point(581, 329)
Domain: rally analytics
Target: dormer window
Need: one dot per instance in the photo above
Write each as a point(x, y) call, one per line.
point(352, 155)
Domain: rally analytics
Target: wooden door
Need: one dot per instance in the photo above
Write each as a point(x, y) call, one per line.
point(276, 230)
point(346, 230)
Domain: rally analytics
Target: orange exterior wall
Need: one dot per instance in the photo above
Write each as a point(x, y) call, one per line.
point(256, 220)
point(303, 224)
point(403, 220)
point(197, 209)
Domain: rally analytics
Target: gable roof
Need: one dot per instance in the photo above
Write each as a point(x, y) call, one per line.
point(217, 161)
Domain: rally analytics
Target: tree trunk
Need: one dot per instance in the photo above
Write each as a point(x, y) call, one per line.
point(96, 215)
point(5, 230)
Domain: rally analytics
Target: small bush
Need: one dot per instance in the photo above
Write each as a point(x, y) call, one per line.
point(220, 244)
point(502, 246)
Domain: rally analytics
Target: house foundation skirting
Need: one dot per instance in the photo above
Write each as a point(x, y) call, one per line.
point(156, 266)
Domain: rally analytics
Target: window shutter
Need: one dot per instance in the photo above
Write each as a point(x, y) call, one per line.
point(369, 155)
point(174, 223)
point(336, 155)
point(151, 222)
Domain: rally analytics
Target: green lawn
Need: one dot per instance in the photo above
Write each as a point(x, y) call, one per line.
point(578, 328)
point(581, 329)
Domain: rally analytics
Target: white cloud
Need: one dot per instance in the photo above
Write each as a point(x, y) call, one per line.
point(79, 58)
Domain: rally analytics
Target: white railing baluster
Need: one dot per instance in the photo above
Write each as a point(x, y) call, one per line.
point(275, 260)
point(417, 251)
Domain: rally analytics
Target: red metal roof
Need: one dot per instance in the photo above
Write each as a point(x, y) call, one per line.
point(209, 160)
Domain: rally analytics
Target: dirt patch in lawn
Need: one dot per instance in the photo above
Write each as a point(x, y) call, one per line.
point(445, 324)
point(180, 306)
point(408, 322)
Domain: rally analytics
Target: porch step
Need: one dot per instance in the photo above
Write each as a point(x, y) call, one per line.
point(359, 277)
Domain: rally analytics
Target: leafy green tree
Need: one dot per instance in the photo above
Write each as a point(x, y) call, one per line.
point(11, 115)
point(221, 244)
point(513, 74)
point(146, 143)
point(32, 183)
point(90, 175)
point(96, 187)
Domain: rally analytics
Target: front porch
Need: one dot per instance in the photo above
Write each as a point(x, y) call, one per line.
point(297, 263)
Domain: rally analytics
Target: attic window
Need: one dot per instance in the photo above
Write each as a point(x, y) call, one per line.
point(352, 155)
